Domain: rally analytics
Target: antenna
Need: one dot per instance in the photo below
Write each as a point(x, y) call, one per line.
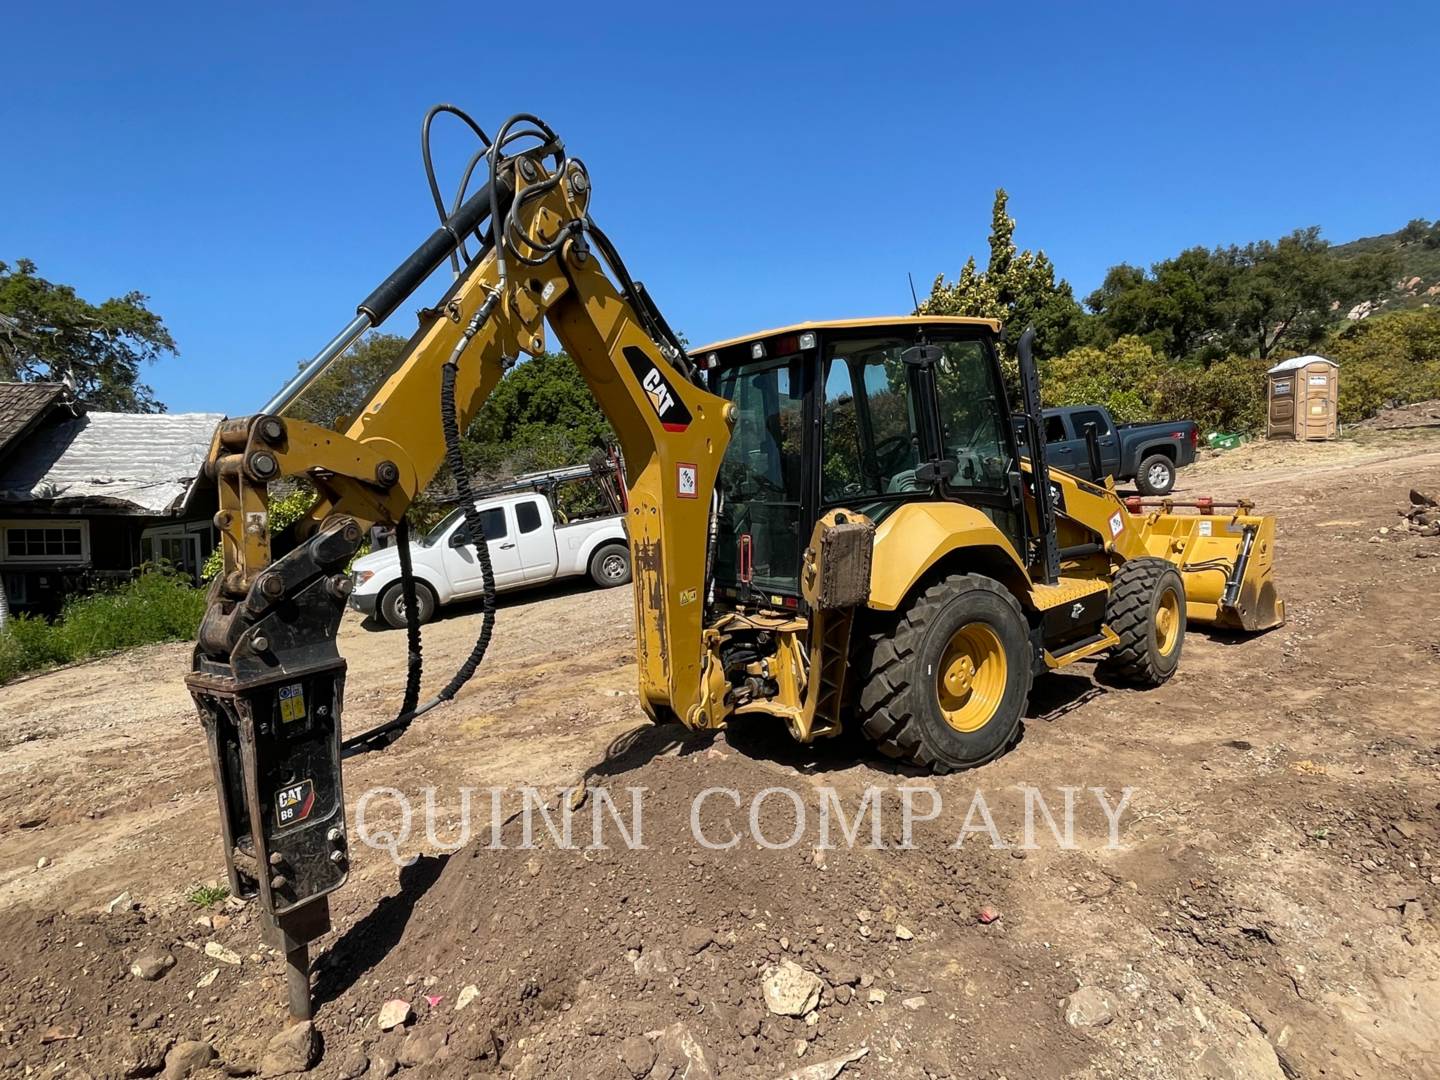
point(912, 291)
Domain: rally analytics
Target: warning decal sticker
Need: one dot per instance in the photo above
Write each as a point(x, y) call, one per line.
point(294, 803)
point(292, 702)
point(1116, 524)
point(687, 480)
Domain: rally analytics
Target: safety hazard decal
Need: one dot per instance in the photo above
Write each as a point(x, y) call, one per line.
point(1116, 524)
point(292, 702)
point(687, 480)
point(294, 803)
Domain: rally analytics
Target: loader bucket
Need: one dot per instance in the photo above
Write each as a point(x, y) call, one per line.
point(1225, 553)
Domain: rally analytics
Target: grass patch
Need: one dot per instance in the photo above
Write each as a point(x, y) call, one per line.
point(154, 607)
point(204, 896)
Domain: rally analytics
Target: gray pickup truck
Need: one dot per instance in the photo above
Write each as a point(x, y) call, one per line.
point(1149, 454)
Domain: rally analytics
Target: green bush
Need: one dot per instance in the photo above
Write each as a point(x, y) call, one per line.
point(1391, 359)
point(156, 606)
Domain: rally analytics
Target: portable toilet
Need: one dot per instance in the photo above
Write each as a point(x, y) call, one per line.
point(1304, 398)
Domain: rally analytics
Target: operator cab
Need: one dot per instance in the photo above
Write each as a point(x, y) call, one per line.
point(864, 414)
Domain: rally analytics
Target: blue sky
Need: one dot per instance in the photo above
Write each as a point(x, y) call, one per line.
point(255, 170)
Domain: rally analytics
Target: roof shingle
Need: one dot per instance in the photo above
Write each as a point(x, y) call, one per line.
point(21, 407)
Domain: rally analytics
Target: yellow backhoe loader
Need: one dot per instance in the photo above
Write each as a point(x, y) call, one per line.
point(831, 523)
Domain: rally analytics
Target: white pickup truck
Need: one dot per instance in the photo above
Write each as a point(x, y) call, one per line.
point(528, 546)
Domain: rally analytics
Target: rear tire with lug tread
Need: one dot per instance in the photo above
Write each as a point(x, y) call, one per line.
point(947, 681)
point(1146, 609)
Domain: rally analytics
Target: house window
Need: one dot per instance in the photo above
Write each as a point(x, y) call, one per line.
point(52, 542)
point(178, 547)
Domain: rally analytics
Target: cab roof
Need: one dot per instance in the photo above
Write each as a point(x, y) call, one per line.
point(854, 324)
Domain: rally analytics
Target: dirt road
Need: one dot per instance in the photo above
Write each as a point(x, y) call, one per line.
point(1268, 908)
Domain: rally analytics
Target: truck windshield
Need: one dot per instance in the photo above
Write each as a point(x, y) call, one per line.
point(759, 480)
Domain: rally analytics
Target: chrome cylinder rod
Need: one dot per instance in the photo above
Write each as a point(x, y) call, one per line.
point(316, 367)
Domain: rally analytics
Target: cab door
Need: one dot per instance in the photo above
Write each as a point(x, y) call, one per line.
point(535, 538)
point(462, 564)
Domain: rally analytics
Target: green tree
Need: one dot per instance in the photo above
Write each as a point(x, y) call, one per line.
point(1017, 287)
point(1175, 308)
point(1123, 376)
point(1255, 300)
point(540, 416)
point(1288, 293)
point(1416, 230)
point(337, 396)
point(49, 333)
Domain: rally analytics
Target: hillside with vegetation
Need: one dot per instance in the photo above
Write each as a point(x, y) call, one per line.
point(1417, 249)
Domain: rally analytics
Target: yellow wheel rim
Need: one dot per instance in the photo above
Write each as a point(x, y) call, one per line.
point(970, 682)
point(1167, 622)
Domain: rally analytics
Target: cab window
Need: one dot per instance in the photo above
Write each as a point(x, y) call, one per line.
point(527, 517)
point(868, 443)
point(1090, 416)
point(1055, 429)
point(492, 523)
point(971, 403)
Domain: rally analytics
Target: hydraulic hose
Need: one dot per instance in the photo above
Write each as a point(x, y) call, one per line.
point(414, 662)
point(378, 738)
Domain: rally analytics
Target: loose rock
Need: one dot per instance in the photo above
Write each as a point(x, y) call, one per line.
point(354, 1063)
point(216, 951)
point(187, 1058)
point(679, 1053)
point(121, 904)
point(637, 1055)
point(903, 932)
point(420, 1047)
point(695, 939)
point(467, 995)
point(295, 1049)
point(151, 966)
point(1089, 1006)
point(790, 990)
point(394, 1013)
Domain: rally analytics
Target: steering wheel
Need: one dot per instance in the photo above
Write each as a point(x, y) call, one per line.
point(889, 453)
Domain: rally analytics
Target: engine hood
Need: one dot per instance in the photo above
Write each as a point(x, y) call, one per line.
point(384, 559)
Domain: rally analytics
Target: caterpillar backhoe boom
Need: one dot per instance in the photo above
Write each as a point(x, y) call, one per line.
point(833, 524)
point(267, 677)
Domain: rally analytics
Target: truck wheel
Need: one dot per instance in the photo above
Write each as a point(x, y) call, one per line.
point(1156, 475)
point(392, 604)
point(610, 566)
point(946, 686)
point(1146, 608)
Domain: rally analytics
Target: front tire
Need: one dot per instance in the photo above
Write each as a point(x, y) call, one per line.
point(392, 604)
point(947, 685)
point(1156, 475)
point(610, 566)
point(1146, 609)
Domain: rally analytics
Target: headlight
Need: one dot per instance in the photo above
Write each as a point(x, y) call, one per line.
point(362, 576)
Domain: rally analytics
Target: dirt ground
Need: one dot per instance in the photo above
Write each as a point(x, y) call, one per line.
point(1268, 908)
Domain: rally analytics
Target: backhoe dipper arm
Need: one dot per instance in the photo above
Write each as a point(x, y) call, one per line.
point(267, 678)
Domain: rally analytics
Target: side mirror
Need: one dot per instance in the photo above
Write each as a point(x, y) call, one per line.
point(460, 537)
point(922, 355)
